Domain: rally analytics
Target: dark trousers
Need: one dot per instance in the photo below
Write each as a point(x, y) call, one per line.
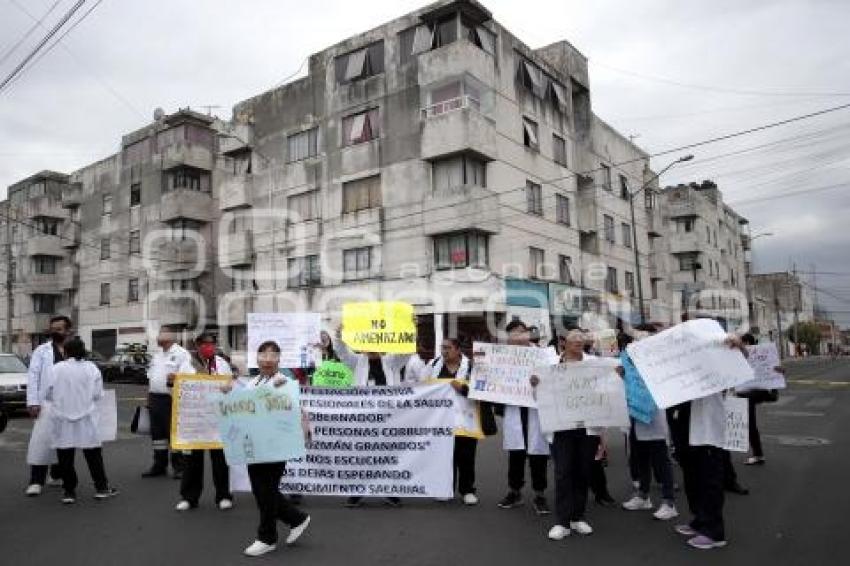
point(273, 506)
point(159, 406)
point(730, 476)
point(755, 437)
point(94, 460)
point(192, 483)
point(599, 481)
point(464, 464)
point(573, 453)
point(38, 474)
point(702, 474)
point(652, 457)
point(517, 458)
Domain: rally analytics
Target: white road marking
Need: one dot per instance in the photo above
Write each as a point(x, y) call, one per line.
point(821, 402)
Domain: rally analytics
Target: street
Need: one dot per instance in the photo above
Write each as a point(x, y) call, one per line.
point(792, 515)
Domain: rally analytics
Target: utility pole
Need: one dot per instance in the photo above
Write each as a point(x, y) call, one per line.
point(778, 322)
point(797, 306)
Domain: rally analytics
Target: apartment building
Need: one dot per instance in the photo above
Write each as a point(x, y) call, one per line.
point(778, 300)
point(436, 159)
point(704, 251)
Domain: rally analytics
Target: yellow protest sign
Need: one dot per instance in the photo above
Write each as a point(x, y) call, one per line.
point(384, 327)
point(194, 420)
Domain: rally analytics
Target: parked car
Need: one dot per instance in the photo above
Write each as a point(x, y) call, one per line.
point(126, 367)
point(13, 382)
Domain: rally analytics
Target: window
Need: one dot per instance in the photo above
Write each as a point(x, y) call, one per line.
point(361, 127)
point(606, 177)
point(303, 145)
point(611, 280)
point(688, 262)
point(624, 188)
point(710, 268)
point(608, 227)
point(304, 271)
point(630, 283)
point(463, 249)
point(478, 35)
point(184, 285)
point(684, 225)
point(708, 234)
point(529, 135)
point(581, 106)
point(536, 261)
point(534, 198)
point(133, 291)
point(304, 206)
point(47, 226)
point(627, 234)
point(361, 194)
point(240, 222)
point(189, 179)
point(559, 150)
point(44, 304)
point(135, 194)
point(357, 263)
point(649, 199)
point(558, 96)
point(565, 269)
point(44, 265)
point(107, 205)
point(104, 248)
point(135, 242)
point(360, 64)
point(531, 77)
point(457, 172)
point(183, 229)
point(654, 286)
point(104, 294)
point(13, 271)
point(562, 209)
point(243, 279)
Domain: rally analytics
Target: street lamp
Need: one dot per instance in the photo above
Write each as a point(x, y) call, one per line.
point(632, 196)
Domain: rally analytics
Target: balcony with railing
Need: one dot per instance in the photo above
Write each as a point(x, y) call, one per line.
point(463, 208)
point(235, 191)
point(685, 242)
point(457, 125)
point(178, 255)
point(44, 244)
point(187, 154)
point(236, 249)
point(46, 207)
point(186, 204)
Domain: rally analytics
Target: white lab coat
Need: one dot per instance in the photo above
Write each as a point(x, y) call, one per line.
point(39, 451)
point(708, 421)
point(175, 360)
point(656, 429)
point(416, 369)
point(512, 438)
point(73, 389)
point(40, 362)
point(359, 364)
point(221, 367)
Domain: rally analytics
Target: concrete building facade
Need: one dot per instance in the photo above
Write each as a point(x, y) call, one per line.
point(435, 159)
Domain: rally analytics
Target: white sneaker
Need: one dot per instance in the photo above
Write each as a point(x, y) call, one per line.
point(470, 499)
point(183, 506)
point(666, 512)
point(33, 490)
point(637, 503)
point(297, 531)
point(52, 482)
point(258, 548)
point(581, 527)
point(225, 504)
point(559, 532)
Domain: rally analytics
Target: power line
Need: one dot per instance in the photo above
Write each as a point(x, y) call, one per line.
point(29, 32)
point(53, 31)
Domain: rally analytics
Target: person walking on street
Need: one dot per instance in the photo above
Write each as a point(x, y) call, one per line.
point(206, 361)
point(39, 455)
point(171, 359)
point(74, 387)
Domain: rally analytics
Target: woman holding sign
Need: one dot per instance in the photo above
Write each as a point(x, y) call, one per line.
point(265, 477)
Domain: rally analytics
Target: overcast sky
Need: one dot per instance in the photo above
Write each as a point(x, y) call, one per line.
point(669, 72)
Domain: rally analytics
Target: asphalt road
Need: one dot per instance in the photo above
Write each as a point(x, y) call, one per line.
point(794, 514)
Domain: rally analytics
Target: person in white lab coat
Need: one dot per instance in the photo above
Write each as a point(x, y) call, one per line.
point(73, 388)
point(39, 455)
point(168, 361)
point(417, 367)
point(524, 440)
point(192, 484)
point(265, 477)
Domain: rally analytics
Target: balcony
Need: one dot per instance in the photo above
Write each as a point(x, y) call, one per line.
point(45, 207)
point(42, 244)
point(455, 59)
point(237, 249)
point(239, 138)
point(179, 255)
point(42, 283)
point(68, 278)
point(684, 243)
point(70, 235)
point(235, 191)
point(746, 242)
point(72, 195)
point(656, 265)
point(34, 322)
point(682, 207)
point(588, 211)
point(455, 126)
point(233, 308)
point(187, 154)
point(176, 310)
point(465, 208)
point(186, 204)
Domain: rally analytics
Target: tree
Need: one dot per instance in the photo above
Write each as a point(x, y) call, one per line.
point(808, 333)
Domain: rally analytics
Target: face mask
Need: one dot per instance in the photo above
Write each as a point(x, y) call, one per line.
point(206, 351)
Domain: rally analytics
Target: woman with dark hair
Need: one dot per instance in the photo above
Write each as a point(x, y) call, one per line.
point(265, 477)
point(74, 387)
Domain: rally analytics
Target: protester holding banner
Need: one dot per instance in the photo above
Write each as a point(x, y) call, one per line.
point(206, 361)
point(265, 476)
point(171, 359)
point(452, 365)
point(74, 387)
point(755, 397)
point(524, 440)
point(648, 441)
point(417, 367)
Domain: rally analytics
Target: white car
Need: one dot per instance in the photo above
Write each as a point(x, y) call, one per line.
point(13, 382)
